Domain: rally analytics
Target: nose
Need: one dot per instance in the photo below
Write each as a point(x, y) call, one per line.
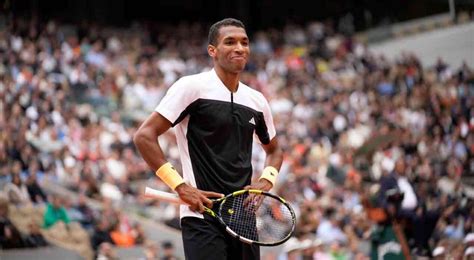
point(239, 48)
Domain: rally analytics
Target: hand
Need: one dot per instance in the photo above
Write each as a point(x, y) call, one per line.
point(253, 201)
point(262, 184)
point(195, 198)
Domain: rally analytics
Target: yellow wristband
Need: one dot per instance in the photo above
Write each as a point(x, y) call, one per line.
point(169, 175)
point(270, 173)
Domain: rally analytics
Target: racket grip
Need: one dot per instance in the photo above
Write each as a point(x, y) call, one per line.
point(163, 196)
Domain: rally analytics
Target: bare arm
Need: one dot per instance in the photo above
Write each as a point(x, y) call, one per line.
point(274, 158)
point(146, 141)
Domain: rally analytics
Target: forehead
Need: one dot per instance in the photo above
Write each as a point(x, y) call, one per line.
point(231, 32)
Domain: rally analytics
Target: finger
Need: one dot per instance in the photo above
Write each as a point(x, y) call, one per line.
point(248, 200)
point(207, 202)
point(201, 208)
point(211, 194)
point(259, 201)
point(248, 187)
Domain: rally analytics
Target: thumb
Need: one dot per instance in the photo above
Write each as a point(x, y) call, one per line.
point(211, 194)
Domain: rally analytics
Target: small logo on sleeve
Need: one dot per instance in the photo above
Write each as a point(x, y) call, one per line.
point(252, 121)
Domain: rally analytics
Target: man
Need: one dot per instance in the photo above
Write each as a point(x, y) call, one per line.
point(10, 237)
point(216, 117)
point(168, 251)
point(55, 212)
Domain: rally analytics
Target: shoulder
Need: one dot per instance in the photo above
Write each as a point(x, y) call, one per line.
point(195, 78)
point(192, 82)
point(252, 93)
point(256, 96)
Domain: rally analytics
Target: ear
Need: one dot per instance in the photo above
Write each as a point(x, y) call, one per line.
point(211, 50)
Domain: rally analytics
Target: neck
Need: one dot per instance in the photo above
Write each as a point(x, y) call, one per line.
point(230, 80)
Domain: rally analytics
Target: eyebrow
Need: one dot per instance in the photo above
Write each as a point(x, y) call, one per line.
point(246, 38)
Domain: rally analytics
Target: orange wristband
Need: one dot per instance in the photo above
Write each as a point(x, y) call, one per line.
point(169, 175)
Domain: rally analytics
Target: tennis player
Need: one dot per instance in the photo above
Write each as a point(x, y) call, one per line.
point(216, 118)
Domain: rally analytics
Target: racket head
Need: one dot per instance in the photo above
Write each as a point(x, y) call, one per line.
point(257, 217)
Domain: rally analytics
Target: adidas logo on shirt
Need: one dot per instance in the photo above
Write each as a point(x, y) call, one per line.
point(252, 121)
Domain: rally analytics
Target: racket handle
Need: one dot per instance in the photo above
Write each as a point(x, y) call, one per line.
point(163, 196)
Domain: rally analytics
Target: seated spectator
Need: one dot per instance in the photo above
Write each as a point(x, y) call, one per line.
point(17, 191)
point(34, 190)
point(70, 236)
point(86, 211)
point(168, 251)
point(35, 238)
point(122, 237)
point(101, 233)
point(123, 233)
point(72, 212)
point(55, 212)
point(10, 237)
point(151, 251)
point(106, 252)
point(138, 234)
point(109, 189)
point(329, 230)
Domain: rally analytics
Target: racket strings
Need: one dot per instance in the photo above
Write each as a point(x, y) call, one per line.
point(240, 216)
point(258, 217)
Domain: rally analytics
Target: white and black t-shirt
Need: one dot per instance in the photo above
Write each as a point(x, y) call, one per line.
point(214, 129)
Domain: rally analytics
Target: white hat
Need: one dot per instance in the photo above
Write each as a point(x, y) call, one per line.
point(469, 238)
point(469, 251)
point(439, 251)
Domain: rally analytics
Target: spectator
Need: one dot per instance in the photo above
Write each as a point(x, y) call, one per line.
point(10, 237)
point(86, 211)
point(36, 193)
point(151, 251)
point(138, 234)
point(17, 191)
point(107, 252)
point(168, 251)
point(55, 212)
point(329, 230)
point(101, 233)
point(72, 212)
point(122, 237)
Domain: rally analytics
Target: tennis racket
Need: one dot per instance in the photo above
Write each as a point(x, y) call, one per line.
point(252, 216)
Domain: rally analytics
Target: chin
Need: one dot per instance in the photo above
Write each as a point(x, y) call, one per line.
point(239, 68)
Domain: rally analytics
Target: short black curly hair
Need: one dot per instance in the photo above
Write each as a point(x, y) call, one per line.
point(214, 30)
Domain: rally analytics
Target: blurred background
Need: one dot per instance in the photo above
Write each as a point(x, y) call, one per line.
point(373, 102)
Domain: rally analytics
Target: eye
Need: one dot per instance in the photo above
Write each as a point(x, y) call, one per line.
point(228, 42)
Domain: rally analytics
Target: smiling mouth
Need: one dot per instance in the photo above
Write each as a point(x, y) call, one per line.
point(238, 58)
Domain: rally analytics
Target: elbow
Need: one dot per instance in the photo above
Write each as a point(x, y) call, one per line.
point(138, 138)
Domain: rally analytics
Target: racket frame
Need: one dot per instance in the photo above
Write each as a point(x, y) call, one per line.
point(174, 198)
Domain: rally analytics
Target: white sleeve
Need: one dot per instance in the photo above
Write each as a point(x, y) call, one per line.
point(178, 97)
point(268, 117)
point(265, 130)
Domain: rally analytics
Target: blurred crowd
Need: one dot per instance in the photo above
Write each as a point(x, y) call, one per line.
point(368, 141)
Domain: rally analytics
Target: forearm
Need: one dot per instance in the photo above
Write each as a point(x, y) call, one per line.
point(274, 158)
point(273, 163)
point(148, 146)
